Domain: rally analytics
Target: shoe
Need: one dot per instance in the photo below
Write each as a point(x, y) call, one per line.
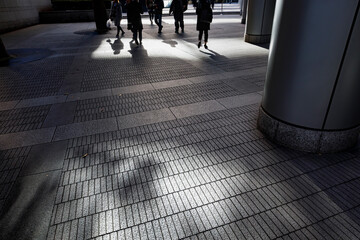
point(182, 30)
point(206, 47)
point(199, 44)
point(140, 42)
point(160, 28)
point(176, 31)
point(136, 41)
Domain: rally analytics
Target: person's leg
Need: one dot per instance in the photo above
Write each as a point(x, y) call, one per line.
point(140, 35)
point(176, 26)
point(135, 36)
point(200, 37)
point(157, 20)
point(206, 38)
point(182, 25)
point(118, 30)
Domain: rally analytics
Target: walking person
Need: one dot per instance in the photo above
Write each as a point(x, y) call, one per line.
point(116, 16)
point(159, 5)
point(151, 10)
point(134, 9)
point(204, 18)
point(178, 7)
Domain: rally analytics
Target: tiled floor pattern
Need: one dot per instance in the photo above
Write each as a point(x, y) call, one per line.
point(106, 140)
point(209, 176)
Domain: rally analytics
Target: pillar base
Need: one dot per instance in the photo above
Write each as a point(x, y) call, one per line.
point(256, 39)
point(298, 138)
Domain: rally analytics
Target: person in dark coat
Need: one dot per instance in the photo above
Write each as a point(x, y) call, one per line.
point(204, 18)
point(178, 7)
point(134, 9)
point(159, 5)
point(151, 10)
point(116, 16)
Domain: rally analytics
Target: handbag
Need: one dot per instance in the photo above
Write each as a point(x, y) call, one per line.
point(109, 23)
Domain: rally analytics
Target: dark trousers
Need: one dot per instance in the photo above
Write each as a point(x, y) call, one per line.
point(158, 18)
point(177, 25)
point(206, 35)
point(135, 31)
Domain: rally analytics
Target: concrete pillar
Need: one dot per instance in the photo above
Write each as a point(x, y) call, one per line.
point(243, 11)
point(312, 87)
point(259, 21)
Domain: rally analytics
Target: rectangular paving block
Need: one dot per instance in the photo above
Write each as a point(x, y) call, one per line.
point(88, 95)
point(45, 157)
point(41, 101)
point(240, 100)
point(172, 83)
point(8, 105)
point(242, 86)
point(196, 108)
point(60, 114)
point(132, 89)
point(29, 207)
point(85, 128)
point(28, 138)
point(144, 118)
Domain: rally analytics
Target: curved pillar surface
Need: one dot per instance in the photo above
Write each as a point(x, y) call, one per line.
point(259, 20)
point(313, 77)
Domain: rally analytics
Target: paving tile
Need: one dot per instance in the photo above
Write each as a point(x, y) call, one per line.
point(144, 118)
point(29, 206)
point(44, 158)
point(41, 101)
point(196, 109)
point(60, 114)
point(172, 83)
point(240, 100)
point(132, 89)
point(8, 105)
point(28, 138)
point(88, 95)
point(86, 128)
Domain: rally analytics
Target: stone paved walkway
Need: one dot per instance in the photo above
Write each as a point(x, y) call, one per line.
point(103, 139)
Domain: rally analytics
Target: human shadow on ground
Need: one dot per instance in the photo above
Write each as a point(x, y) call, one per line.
point(116, 46)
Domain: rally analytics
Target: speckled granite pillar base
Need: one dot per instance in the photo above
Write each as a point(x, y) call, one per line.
point(257, 39)
point(305, 139)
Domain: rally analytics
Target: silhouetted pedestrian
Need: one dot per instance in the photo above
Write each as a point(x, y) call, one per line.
point(159, 5)
point(134, 9)
point(151, 9)
point(204, 18)
point(116, 16)
point(178, 7)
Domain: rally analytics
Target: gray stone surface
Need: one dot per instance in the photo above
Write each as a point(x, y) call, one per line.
point(8, 105)
point(139, 119)
point(173, 83)
point(132, 89)
point(196, 108)
point(41, 101)
point(242, 86)
point(60, 114)
point(44, 158)
point(240, 100)
point(28, 138)
point(83, 129)
point(88, 95)
point(307, 140)
point(28, 208)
